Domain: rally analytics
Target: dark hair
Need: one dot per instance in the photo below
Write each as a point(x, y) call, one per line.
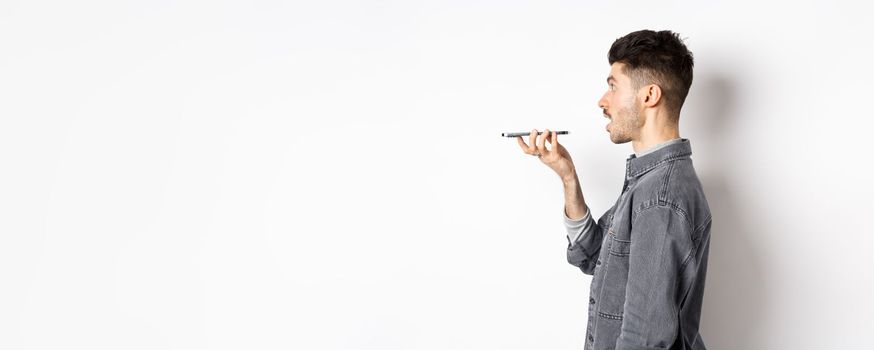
point(659, 58)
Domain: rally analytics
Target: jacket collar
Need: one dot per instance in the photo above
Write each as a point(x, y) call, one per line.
point(637, 166)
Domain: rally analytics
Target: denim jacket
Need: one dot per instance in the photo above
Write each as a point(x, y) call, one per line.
point(647, 255)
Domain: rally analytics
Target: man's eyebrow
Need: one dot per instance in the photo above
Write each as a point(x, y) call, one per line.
point(610, 78)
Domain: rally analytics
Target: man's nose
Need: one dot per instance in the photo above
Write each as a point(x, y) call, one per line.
point(602, 103)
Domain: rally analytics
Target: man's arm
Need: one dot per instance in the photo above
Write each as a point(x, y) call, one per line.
point(584, 240)
point(574, 203)
point(660, 244)
point(583, 233)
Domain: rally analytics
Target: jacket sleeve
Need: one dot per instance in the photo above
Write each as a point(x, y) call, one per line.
point(660, 245)
point(584, 239)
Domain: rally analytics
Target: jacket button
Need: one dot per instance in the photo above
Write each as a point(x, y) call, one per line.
point(591, 300)
point(598, 262)
point(590, 338)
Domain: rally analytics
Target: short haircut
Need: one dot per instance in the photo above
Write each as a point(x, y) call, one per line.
point(659, 58)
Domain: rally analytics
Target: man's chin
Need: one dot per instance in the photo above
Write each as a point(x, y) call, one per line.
point(619, 140)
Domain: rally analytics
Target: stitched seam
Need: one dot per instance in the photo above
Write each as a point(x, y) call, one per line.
point(656, 164)
point(615, 253)
point(620, 240)
point(610, 316)
point(676, 208)
point(605, 268)
point(684, 214)
point(641, 209)
point(663, 193)
point(669, 205)
point(706, 221)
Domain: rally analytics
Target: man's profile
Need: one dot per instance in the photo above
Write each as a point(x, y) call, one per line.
point(648, 252)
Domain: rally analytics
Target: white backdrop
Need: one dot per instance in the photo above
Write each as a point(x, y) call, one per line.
point(330, 175)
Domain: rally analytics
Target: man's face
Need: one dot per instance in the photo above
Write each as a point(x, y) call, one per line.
point(620, 105)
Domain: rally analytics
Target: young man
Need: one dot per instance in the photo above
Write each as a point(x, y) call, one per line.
point(647, 253)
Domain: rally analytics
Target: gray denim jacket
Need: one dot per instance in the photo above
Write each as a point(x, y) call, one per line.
point(647, 255)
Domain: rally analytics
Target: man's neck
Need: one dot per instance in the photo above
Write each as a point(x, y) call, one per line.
point(641, 146)
point(653, 133)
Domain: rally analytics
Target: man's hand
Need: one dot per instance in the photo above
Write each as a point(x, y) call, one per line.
point(558, 159)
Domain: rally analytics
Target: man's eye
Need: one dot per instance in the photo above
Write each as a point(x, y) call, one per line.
point(612, 87)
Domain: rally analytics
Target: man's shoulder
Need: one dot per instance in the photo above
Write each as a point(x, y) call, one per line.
point(674, 186)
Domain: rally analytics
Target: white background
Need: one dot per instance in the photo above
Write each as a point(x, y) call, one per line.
point(330, 175)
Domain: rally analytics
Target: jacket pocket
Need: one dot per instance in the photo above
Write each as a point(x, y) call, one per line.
point(615, 279)
point(619, 247)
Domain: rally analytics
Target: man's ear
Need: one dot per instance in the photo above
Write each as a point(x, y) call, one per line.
point(652, 94)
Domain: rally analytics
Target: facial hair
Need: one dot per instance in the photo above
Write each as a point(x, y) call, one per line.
point(626, 124)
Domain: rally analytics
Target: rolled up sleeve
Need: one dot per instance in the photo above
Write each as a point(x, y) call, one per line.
point(584, 241)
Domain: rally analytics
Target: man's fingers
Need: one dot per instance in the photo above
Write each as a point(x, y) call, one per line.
point(532, 140)
point(525, 147)
point(547, 135)
point(541, 147)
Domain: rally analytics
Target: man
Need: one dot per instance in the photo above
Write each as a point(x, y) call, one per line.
point(647, 253)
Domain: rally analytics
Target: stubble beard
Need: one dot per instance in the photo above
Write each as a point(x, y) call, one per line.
point(629, 121)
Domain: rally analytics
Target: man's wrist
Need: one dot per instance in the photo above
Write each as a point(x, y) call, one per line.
point(570, 178)
point(578, 208)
